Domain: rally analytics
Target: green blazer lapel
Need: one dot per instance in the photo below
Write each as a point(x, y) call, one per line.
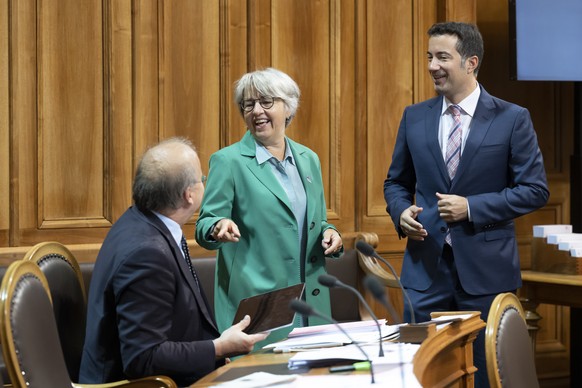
point(262, 171)
point(307, 174)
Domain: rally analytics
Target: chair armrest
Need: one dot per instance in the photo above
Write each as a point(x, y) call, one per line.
point(146, 382)
point(370, 264)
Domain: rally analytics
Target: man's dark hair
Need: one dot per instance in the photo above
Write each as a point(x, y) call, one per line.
point(469, 43)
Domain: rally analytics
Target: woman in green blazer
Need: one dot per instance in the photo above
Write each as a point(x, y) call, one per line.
point(264, 207)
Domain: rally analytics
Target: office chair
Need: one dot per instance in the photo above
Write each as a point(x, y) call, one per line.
point(510, 358)
point(30, 340)
point(67, 290)
point(370, 264)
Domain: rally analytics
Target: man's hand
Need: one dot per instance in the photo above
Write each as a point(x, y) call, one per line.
point(452, 208)
point(226, 230)
point(409, 226)
point(332, 241)
point(234, 341)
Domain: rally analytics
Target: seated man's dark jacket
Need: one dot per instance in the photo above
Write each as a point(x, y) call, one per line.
point(146, 316)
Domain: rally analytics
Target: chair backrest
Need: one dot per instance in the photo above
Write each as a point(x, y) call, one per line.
point(30, 341)
point(370, 264)
point(345, 305)
point(29, 336)
point(205, 267)
point(510, 358)
point(67, 291)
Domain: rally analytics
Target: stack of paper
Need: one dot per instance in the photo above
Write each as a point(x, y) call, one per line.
point(545, 230)
point(331, 328)
point(567, 245)
point(326, 336)
point(563, 237)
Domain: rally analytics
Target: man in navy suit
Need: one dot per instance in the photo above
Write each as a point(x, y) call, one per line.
point(146, 313)
point(459, 177)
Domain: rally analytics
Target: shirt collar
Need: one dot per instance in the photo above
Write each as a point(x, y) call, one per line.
point(263, 154)
point(172, 226)
point(468, 105)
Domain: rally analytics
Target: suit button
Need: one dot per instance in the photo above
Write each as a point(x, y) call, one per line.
point(312, 225)
point(312, 259)
point(315, 292)
point(443, 229)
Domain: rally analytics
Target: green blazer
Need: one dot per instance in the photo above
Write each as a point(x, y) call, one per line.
point(268, 253)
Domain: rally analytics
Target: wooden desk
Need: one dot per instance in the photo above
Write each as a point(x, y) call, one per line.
point(555, 278)
point(268, 361)
point(445, 358)
point(552, 288)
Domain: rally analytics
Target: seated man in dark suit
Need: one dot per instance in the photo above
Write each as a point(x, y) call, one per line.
point(147, 314)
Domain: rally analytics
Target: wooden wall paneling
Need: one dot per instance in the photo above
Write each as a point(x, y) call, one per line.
point(260, 33)
point(425, 15)
point(249, 49)
point(553, 342)
point(360, 116)
point(147, 76)
point(301, 47)
point(190, 76)
point(4, 126)
point(389, 88)
point(344, 59)
point(23, 116)
point(118, 128)
point(457, 11)
point(234, 54)
point(70, 115)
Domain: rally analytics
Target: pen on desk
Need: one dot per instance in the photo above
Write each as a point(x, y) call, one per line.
point(364, 365)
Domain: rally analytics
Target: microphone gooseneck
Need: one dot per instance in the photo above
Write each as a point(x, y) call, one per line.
point(331, 282)
point(378, 291)
point(303, 308)
point(327, 280)
point(367, 250)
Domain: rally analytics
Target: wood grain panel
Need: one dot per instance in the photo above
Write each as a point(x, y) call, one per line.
point(234, 58)
point(457, 10)
point(425, 15)
point(189, 74)
point(260, 33)
point(390, 72)
point(118, 158)
point(343, 61)
point(70, 160)
point(4, 126)
point(146, 77)
point(301, 40)
point(23, 117)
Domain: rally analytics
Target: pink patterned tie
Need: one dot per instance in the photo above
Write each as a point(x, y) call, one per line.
point(453, 156)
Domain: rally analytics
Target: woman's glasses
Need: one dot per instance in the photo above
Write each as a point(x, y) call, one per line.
point(266, 102)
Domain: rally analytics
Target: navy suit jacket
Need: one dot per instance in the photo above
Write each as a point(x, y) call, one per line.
point(146, 315)
point(501, 174)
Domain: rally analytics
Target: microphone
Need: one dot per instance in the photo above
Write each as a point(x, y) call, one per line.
point(303, 308)
point(378, 291)
point(331, 281)
point(366, 249)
